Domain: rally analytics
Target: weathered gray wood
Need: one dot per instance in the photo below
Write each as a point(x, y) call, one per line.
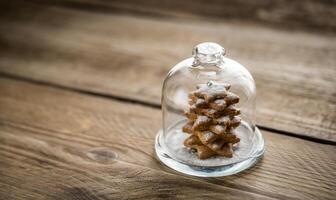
point(41, 169)
point(56, 143)
point(316, 15)
point(128, 57)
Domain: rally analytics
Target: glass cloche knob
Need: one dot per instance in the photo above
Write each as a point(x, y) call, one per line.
point(208, 53)
point(208, 116)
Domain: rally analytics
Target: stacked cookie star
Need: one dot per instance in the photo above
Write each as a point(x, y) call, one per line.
point(212, 117)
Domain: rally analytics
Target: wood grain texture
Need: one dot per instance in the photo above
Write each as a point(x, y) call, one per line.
point(128, 57)
point(41, 169)
point(55, 143)
point(316, 15)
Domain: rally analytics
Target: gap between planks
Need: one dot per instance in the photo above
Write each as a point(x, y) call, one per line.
point(144, 103)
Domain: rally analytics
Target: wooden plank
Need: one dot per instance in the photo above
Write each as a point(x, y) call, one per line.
point(66, 133)
point(32, 168)
point(128, 57)
point(307, 14)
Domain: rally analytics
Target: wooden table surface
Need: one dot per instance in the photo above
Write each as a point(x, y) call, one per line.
point(80, 87)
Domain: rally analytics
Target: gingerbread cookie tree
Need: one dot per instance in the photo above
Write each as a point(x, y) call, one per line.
point(212, 117)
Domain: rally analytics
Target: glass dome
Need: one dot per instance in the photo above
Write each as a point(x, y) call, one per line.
point(208, 106)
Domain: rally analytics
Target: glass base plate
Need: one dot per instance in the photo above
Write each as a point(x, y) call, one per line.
point(163, 155)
